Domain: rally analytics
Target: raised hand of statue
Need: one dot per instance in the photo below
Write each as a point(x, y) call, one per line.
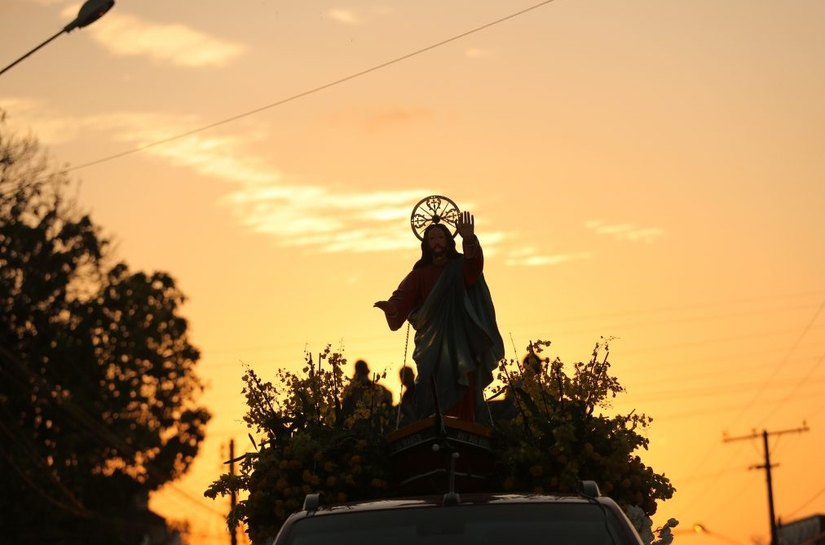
point(466, 225)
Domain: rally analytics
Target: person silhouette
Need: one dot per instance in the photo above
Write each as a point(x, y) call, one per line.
point(364, 392)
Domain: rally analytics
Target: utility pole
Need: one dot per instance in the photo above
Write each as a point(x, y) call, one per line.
point(767, 467)
point(233, 498)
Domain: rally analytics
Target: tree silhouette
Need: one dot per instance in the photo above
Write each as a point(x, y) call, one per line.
point(98, 395)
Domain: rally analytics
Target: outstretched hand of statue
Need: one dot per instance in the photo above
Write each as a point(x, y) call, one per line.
point(388, 308)
point(466, 225)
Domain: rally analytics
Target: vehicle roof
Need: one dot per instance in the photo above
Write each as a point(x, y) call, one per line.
point(465, 499)
point(438, 502)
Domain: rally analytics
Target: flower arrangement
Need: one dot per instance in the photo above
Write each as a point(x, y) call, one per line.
point(551, 429)
point(309, 444)
point(557, 431)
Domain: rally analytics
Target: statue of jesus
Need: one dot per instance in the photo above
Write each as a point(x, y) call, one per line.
point(447, 301)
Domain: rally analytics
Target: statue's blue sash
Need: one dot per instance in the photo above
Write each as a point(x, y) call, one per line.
point(455, 334)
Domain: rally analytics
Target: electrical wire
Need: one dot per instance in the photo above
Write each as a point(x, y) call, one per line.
point(802, 381)
point(100, 432)
point(703, 460)
point(783, 361)
point(311, 91)
point(806, 504)
point(721, 369)
point(674, 395)
point(369, 338)
point(716, 410)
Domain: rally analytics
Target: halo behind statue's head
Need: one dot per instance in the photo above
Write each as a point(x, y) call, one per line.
point(434, 210)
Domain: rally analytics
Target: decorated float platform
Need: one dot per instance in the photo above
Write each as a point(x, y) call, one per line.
point(439, 453)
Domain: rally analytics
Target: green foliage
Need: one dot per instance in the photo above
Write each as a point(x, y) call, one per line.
point(558, 433)
point(549, 433)
point(308, 444)
point(97, 386)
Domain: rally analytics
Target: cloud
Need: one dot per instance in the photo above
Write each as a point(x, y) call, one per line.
point(28, 113)
point(479, 53)
point(396, 116)
point(218, 156)
point(325, 219)
point(127, 35)
point(221, 157)
point(314, 217)
point(346, 16)
point(343, 16)
point(381, 118)
point(625, 231)
point(531, 257)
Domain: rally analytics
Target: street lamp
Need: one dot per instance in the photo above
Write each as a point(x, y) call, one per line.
point(90, 11)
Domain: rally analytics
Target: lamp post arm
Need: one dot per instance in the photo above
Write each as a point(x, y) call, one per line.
point(32, 51)
point(90, 11)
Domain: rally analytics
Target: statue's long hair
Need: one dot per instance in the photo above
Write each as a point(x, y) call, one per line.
point(426, 254)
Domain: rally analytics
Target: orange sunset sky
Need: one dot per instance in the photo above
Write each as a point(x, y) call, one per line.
point(651, 170)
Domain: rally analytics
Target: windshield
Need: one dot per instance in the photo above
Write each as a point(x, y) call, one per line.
point(489, 524)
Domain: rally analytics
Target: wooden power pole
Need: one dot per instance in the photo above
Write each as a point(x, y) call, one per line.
point(233, 498)
point(767, 467)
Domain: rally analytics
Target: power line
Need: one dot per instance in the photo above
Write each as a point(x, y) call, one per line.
point(784, 360)
point(806, 504)
point(379, 338)
point(711, 450)
point(197, 502)
point(815, 412)
point(313, 90)
point(715, 410)
point(699, 342)
point(625, 313)
point(74, 506)
point(721, 501)
point(719, 389)
point(679, 308)
point(84, 419)
point(693, 362)
point(694, 306)
point(711, 476)
point(803, 380)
